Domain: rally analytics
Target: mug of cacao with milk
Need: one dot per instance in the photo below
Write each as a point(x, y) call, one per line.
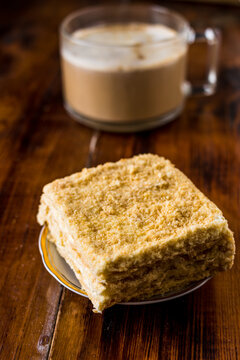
point(124, 66)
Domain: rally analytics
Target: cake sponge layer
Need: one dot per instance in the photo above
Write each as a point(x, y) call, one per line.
point(119, 219)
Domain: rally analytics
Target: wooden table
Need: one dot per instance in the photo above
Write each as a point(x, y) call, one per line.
point(39, 142)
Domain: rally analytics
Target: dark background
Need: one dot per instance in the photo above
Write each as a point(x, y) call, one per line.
point(39, 142)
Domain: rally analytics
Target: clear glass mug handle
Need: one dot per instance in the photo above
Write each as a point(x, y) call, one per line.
point(213, 39)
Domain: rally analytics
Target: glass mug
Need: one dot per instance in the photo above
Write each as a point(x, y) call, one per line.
point(133, 80)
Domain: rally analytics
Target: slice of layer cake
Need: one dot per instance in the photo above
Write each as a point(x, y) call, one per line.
point(134, 229)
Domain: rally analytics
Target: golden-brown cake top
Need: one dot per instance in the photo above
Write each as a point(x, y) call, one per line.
point(118, 209)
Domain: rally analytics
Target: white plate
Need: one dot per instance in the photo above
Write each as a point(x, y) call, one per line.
point(62, 272)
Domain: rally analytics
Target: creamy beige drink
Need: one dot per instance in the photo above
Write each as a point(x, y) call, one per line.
point(124, 73)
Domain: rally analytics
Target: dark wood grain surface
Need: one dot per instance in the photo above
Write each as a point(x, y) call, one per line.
point(39, 142)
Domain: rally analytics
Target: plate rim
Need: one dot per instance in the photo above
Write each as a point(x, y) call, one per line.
point(53, 271)
point(68, 284)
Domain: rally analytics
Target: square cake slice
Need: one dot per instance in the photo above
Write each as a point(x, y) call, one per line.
point(134, 229)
